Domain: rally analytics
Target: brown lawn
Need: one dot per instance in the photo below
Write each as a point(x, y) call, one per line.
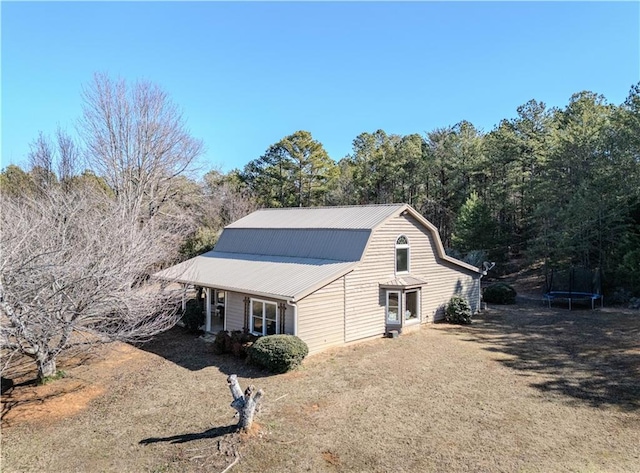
point(523, 389)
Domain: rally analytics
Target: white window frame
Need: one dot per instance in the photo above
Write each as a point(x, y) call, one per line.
point(263, 316)
point(404, 305)
point(402, 246)
point(398, 320)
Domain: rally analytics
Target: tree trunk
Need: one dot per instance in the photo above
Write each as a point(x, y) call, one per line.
point(46, 367)
point(245, 404)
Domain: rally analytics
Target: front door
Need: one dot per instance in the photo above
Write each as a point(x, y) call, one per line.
point(214, 310)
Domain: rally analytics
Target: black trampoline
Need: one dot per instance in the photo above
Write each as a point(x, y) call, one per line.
point(574, 284)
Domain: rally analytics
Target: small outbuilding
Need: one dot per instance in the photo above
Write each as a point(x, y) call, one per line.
point(330, 275)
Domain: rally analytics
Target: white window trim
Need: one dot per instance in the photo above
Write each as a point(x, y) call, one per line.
point(396, 247)
point(386, 309)
point(264, 316)
point(404, 304)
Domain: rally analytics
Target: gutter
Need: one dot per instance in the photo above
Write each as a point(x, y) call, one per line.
point(295, 315)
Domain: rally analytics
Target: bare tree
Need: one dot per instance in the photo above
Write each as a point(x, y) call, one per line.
point(137, 140)
point(54, 161)
point(68, 157)
point(225, 199)
point(41, 159)
point(73, 272)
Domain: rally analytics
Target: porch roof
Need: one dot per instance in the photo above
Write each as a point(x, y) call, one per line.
point(280, 277)
point(403, 282)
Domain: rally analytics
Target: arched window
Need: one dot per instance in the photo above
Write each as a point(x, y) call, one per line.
point(402, 254)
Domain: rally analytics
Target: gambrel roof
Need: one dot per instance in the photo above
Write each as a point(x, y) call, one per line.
point(290, 253)
point(352, 217)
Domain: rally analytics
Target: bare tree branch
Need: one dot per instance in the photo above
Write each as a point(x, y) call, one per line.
point(137, 140)
point(74, 263)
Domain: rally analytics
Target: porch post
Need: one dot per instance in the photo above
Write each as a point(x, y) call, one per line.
point(283, 308)
point(246, 314)
point(207, 324)
point(184, 297)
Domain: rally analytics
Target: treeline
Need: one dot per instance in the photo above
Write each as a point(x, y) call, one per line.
point(559, 186)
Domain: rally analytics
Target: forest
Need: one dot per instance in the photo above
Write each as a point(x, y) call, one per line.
point(94, 213)
point(552, 186)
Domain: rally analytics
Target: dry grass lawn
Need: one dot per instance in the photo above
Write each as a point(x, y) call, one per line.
point(523, 389)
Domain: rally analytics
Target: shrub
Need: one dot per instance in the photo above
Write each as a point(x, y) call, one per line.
point(458, 311)
point(236, 343)
point(193, 317)
point(278, 353)
point(499, 293)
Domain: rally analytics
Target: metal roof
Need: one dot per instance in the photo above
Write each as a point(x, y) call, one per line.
point(405, 281)
point(329, 244)
point(289, 253)
point(363, 217)
point(271, 276)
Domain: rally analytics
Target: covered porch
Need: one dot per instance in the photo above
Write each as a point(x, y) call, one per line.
point(213, 302)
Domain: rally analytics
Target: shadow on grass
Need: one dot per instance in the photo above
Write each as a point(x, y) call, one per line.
point(590, 357)
point(186, 349)
point(184, 438)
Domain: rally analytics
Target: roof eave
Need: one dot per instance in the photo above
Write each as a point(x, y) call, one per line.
point(284, 297)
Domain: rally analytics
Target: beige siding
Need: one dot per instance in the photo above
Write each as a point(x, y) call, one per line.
point(365, 302)
point(444, 279)
point(235, 312)
point(288, 320)
point(332, 316)
point(321, 317)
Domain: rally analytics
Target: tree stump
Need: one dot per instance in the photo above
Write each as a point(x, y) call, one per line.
point(246, 403)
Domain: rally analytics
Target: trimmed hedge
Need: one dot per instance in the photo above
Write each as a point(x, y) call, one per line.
point(458, 311)
point(278, 353)
point(499, 293)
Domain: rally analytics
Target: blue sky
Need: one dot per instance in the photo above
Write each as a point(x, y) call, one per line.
point(248, 74)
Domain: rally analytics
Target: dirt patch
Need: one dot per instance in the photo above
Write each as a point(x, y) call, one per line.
point(331, 458)
point(51, 402)
point(48, 403)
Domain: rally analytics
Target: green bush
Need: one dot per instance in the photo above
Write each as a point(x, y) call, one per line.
point(236, 343)
point(278, 353)
point(193, 317)
point(499, 293)
point(458, 311)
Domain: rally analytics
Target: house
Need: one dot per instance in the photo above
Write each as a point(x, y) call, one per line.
point(330, 275)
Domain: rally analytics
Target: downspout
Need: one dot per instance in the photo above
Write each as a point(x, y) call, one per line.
point(486, 268)
point(483, 273)
point(295, 316)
